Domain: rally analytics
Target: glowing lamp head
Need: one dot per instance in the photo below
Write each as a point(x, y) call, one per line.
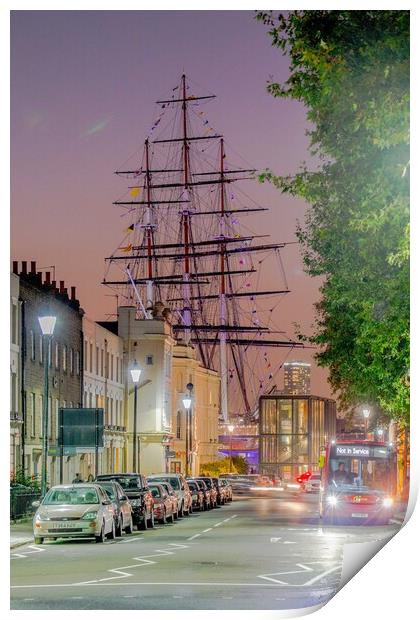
point(231, 428)
point(366, 413)
point(47, 324)
point(388, 501)
point(135, 373)
point(187, 402)
point(332, 500)
point(380, 432)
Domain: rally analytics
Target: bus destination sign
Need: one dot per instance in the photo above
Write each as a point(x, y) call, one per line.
point(360, 451)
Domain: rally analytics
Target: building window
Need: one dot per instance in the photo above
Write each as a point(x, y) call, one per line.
point(85, 400)
point(33, 414)
point(41, 349)
point(85, 354)
point(77, 363)
point(97, 361)
point(178, 425)
point(14, 392)
point(90, 356)
point(32, 344)
point(71, 361)
point(107, 366)
point(14, 324)
point(149, 360)
point(64, 358)
point(56, 355)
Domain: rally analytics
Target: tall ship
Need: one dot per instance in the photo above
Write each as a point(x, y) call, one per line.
point(188, 244)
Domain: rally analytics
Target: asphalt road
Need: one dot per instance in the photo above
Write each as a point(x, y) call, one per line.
point(265, 553)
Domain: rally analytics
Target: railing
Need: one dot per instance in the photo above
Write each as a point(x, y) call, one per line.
point(21, 503)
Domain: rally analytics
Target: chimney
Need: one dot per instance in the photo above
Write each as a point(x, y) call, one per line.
point(15, 267)
point(65, 292)
point(24, 267)
point(47, 278)
point(33, 267)
point(54, 284)
point(73, 293)
point(39, 277)
point(61, 286)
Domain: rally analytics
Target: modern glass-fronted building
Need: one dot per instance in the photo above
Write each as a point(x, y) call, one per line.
point(293, 430)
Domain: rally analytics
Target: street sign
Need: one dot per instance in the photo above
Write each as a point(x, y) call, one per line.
point(82, 428)
point(170, 454)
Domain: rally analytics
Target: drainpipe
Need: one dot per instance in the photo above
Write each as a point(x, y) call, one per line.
point(22, 382)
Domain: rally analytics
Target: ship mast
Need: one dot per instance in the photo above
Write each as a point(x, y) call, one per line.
point(149, 233)
point(186, 288)
point(223, 310)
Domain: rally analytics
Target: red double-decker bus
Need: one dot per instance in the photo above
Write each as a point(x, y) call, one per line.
point(358, 482)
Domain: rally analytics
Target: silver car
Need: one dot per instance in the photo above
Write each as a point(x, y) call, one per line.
point(74, 511)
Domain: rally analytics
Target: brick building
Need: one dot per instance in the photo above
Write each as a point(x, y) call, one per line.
point(65, 352)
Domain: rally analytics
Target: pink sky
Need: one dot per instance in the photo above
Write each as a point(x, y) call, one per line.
point(83, 87)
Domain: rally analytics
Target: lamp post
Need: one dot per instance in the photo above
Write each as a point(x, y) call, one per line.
point(187, 401)
point(47, 324)
point(366, 414)
point(231, 428)
point(135, 373)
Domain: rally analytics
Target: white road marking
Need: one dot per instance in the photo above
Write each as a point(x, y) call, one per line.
point(289, 542)
point(148, 583)
point(324, 574)
point(207, 530)
point(274, 540)
point(120, 572)
point(195, 536)
point(35, 549)
point(128, 596)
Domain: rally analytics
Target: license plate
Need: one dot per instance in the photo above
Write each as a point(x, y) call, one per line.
point(360, 515)
point(63, 525)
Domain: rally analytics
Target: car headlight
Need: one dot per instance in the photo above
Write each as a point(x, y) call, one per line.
point(89, 516)
point(41, 517)
point(388, 501)
point(135, 502)
point(332, 500)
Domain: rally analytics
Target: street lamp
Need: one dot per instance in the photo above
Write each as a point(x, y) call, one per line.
point(231, 428)
point(47, 324)
point(187, 402)
point(366, 414)
point(135, 373)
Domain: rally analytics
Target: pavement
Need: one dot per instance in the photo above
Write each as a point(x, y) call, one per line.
point(254, 553)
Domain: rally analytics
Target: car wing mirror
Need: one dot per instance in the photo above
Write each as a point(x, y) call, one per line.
point(36, 503)
point(124, 498)
point(106, 502)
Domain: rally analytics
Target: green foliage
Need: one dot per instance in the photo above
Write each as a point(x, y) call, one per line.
point(20, 478)
point(351, 71)
point(239, 466)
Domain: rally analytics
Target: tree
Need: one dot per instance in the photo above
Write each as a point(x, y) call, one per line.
point(351, 71)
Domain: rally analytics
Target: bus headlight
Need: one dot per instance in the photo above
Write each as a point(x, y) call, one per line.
point(388, 501)
point(332, 500)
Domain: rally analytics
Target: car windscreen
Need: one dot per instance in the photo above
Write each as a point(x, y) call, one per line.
point(110, 491)
point(174, 482)
point(207, 482)
point(73, 497)
point(127, 482)
point(155, 491)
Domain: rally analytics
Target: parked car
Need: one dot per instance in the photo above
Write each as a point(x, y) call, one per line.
point(179, 485)
point(208, 481)
point(227, 487)
point(162, 503)
point(312, 485)
point(123, 512)
point(74, 511)
point(221, 493)
point(168, 488)
point(137, 490)
point(206, 492)
point(197, 495)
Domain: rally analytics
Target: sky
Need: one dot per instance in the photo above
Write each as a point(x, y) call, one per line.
point(83, 87)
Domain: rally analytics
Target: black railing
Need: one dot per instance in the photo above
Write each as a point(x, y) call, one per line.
point(21, 504)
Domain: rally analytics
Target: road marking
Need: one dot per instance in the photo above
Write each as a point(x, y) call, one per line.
point(35, 549)
point(207, 530)
point(76, 597)
point(195, 536)
point(150, 583)
point(128, 596)
point(324, 574)
point(289, 542)
point(120, 572)
point(304, 569)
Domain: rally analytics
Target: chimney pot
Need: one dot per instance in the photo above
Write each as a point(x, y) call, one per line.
point(65, 291)
point(61, 286)
point(33, 266)
point(24, 267)
point(48, 278)
point(73, 293)
point(15, 267)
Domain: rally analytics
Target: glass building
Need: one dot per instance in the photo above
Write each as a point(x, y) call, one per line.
point(293, 430)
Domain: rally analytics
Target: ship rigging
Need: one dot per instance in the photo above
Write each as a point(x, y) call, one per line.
point(187, 247)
